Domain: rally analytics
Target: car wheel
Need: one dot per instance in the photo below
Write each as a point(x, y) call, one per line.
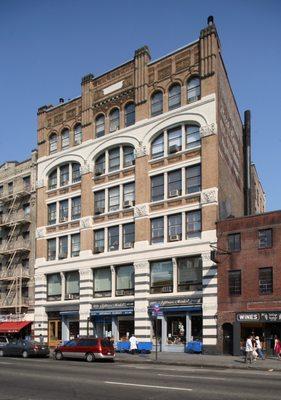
point(24, 354)
point(90, 357)
point(58, 355)
point(1, 353)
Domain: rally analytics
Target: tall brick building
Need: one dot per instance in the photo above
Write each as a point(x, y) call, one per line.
point(132, 176)
point(249, 288)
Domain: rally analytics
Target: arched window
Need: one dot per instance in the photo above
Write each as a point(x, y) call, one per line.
point(174, 96)
point(129, 114)
point(157, 146)
point(65, 139)
point(100, 165)
point(76, 172)
point(114, 120)
point(52, 181)
point(193, 89)
point(100, 126)
point(128, 156)
point(156, 103)
point(53, 143)
point(78, 134)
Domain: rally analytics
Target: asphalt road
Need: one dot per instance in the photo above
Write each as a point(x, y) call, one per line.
point(47, 379)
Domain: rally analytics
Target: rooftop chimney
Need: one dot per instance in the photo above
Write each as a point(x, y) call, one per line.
point(61, 100)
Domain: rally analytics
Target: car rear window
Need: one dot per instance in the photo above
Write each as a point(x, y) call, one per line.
point(3, 340)
point(106, 343)
point(88, 342)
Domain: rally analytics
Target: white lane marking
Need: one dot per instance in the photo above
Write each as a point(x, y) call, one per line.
point(195, 377)
point(5, 363)
point(148, 386)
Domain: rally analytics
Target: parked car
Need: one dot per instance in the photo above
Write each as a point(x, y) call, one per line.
point(24, 348)
point(3, 341)
point(86, 348)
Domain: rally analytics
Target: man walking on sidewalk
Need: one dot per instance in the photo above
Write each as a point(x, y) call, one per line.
point(249, 350)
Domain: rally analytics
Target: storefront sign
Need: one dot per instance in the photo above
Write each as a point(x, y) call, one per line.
point(110, 306)
point(176, 302)
point(112, 312)
point(270, 316)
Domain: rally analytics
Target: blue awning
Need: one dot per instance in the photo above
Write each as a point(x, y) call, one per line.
point(124, 311)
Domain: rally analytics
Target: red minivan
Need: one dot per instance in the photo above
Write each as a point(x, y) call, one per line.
point(86, 348)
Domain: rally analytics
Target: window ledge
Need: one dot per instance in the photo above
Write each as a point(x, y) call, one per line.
point(170, 199)
point(50, 191)
point(112, 173)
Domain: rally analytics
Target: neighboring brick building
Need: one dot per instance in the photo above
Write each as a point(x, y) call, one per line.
point(132, 176)
point(258, 198)
point(249, 284)
point(17, 238)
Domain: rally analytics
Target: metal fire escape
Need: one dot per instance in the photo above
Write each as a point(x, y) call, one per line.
point(13, 250)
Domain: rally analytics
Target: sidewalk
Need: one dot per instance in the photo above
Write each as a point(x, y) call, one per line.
point(199, 360)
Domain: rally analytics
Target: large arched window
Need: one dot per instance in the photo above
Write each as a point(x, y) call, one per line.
point(78, 134)
point(100, 126)
point(65, 139)
point(174, 96)
point(53, 143)
point(193, 89)
point(117, 158)
point(129, 114)
point(157, 146)
point(156, 103)
point(65, 174)
point(114, 120)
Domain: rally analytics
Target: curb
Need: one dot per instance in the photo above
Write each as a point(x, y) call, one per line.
point(213, 366)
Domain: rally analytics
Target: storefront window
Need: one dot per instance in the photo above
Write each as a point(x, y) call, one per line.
point(72, 285)
point(176, 330)
point(161, 277)
point(54, 287)
point(189, 273)
point(126, 327)
point(102, 282)
point(125, 280)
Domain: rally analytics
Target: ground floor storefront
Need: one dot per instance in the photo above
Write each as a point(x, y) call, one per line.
point(264, 324)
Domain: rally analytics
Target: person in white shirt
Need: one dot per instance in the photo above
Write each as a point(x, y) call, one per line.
point(133, 344)
point(249, 350)
point(259, 348)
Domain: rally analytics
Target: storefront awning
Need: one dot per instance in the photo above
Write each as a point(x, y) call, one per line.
point(128, 311)
point(13, 327)
point(178, 309)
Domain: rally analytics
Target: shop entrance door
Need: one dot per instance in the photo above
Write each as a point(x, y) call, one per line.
point(54, 332)
point(227, 339)
point(73, 329)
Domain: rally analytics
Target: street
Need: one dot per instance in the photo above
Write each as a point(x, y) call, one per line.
point(47, 379)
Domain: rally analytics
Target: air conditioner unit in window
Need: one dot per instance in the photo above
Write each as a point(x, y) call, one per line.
point(98, 172)
point(174, 193)
point(99, 249)
point(128, 203)
point(63, 219)
point(174, 238)
point(113, 247)
point(128, 245)
point(130, 162)
point(69, 296)
point(120, 292)
point(62, 255)
point(113, 208)
point(99, 211)
point(174, 149)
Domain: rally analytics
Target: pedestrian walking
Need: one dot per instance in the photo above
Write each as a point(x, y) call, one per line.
point(41, 339)
point(277, 347)
point(133, 344)
point(249, 350)
point(259, 348)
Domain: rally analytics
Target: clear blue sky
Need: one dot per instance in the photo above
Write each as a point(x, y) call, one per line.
point(47, 46)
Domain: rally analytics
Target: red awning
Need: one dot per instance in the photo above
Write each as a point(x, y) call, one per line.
point(13, 327)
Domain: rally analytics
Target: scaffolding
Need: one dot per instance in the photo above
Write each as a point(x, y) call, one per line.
point(14, 249)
